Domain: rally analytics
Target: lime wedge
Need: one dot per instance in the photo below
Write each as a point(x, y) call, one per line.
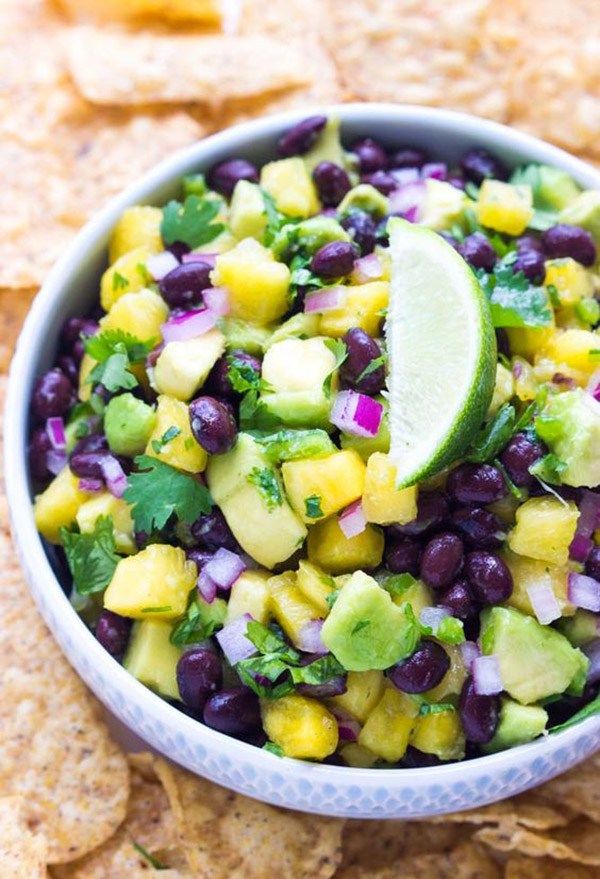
point(442, 352)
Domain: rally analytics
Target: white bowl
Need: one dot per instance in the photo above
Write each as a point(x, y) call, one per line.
point(70, 288)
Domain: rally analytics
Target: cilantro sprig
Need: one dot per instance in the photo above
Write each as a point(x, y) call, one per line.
point(91, 557)
point(191, 222)
point(158, 491)
point(514, 301)
point(196, 626)
point(340, 352)
point(115, 351)
point(267, 482)
point(495, 433)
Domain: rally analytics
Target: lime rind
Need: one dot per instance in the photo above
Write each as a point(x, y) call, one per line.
point(442, 353)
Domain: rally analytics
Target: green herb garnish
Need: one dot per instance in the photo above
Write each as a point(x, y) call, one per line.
point(157, 491)
point(92, 556)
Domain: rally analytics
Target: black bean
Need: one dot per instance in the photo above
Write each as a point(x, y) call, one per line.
point(234, 712)
point(371, 155)
point(183, 286)
point(52, 395)
point(213, 425)
point(442, 559)
point(224, 176)
point(476, 484)
point(421, 671)
point(562, 240)
point(489, 577)
point(199, 675)
point(478, 714)
point(479, 164)
point(301, 137)
point(362, 351)
point(332, 183)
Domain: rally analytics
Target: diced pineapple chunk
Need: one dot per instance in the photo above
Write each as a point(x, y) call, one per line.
point(301, 727)
point(504, 207)
point(152, 659)
point(182, 451)
point(250, 594)
point(315, 585)
point(138, 226)
point(183, 367)
point(528, 341)
point(358, 757)
point(570, 279)
point(525, 380)
point(572, 348)
point(141, 314)
point(336, 481)
point(528, 572)
point(363, 691)
point(85, 389)
point(544, 530)
point(503, 389)
point(364, 307)
point(417, 594)
point(290, 184)
point(330, 549)
point(389, 726)
point(153, 584)
point(57, 506)
point(439, 732)
point(289, 606)
point(258, 285)
point(106, 504)
point(247, 213)
point(382, 502)
point(452, 682)
point(127, 275)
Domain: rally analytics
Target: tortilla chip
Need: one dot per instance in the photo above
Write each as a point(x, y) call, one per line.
point(117, 68)
point(56, 751)
point(146, 839)
point(375, 845)
point(541, 868)
point(578, 841)
point(466, 861)
point(172, 11)
point(577, 789)
point(228, 836)
point(528, 809)
point(13, 310)
point(22, 853)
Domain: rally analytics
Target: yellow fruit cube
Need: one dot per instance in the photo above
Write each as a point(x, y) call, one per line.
point(364, 307)
point(141, 314)
point(336, 481)
point(127, 275)
point(544, 530)
point(138, 226)
point(183, 367)
point(359, 758)
point(57, 506)
point(570, 279)
point(315, 585)
point(443, 205)
point(382, 502)
point(258, 285)
point(153, 584)
point(503, 389)
point(290, 184)
point(452, 682)
point(527, 572)
point(289, 606)
point(504, 207)
point(439, 732)
point(363, 691)
point(85, 389)
point(389, 726)
point(525, 381)
point(152, 659)
point(528, 341)
point(302, 727)
point(330, 549)
point(106, 504)
point(572, 349)
point(250, 594)
point(182, 451)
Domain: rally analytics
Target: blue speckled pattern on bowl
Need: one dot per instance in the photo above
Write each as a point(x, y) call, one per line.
point(71, 287)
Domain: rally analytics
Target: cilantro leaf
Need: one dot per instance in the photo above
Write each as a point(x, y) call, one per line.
point(549, 468)
point(194, 184)
point(340, 352)
point(157, 491)
point(194, 627)
point(514, 301)
point(372, 366)
point(119, 281)
point(267, 641)
point(515, 491)
point(589, 710)
point(272, 748)
point(313, 507)
point(254, 414)
point(170, 434)
point(318, 672)
point(115, 351)
point(267, 482)
point(275, 219)
point(435, 708)
point(261, 672)
point(493, 436)
point(450, 631)
point(113, 374)
point(242, 375)
point(360, 625)
point(154, 862)
point(91, 557)
point(398, 584)
point(289, 445)
point(191, 222)
point(332, 597)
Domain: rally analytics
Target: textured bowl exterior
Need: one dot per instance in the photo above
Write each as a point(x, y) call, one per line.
point(329, 790)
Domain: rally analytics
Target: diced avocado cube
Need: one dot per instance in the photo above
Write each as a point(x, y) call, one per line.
point(307, 236)
point(57, 506)
point(330, 549)
point(518, 724)
point(241, 334)
point(570, 425)
point(365, 629)
point(584, 211)
point(364, 197)
point(581, 628)
point(128, 422)
point(249, 594)
point(299, 326)
point(153, 584)
point(318, 487)
point(552, 188)
point(438, 731)
point(364, 689)
point(152, 659)
point(443, 205)
point(106, 504)
point(295, 371)
point(247, 214)
point(535, 661)
point(302, 727)
point(267, 529)
point(183, 367)
point(389, 727)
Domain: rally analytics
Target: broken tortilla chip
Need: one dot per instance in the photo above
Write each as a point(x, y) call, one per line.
point(22, 852)
point(466, 861)
point(577, 789)
point(541, 868)
point(374, 845)
point(579, 841)
point(528, 809)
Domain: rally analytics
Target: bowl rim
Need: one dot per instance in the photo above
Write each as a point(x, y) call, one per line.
point(29, 545)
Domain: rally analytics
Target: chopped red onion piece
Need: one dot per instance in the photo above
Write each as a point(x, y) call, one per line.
point(367, 268)
point(216, 300)
point(544, 603)
point(469, 651)
point(336, 686)
point(407, 200)
point(224, 568)
point(580, 548)
point(325, 300)
point(89, 484)
point(309, 638)
point(194, 256)
point(233, 641)
point(206, 587)
point(432, 617)
point(189, 325)
point(589, 513)
point(405, 175)
point(114, 476)
point(356, 414)
point(434, 171)
point(486, 676)
point(593, 386)
point(161, 264)
point(348, 729)
point(352, 520)
point(592, 651)
point(583, 591)
point(56, 461)
point(55, 428)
